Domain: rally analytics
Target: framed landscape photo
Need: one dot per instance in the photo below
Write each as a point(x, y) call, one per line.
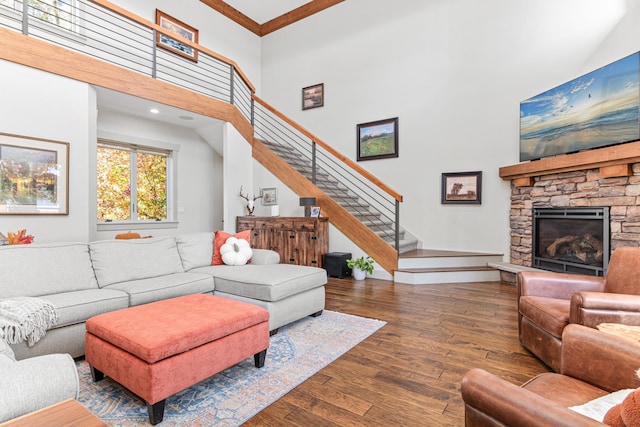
point(269, 196)
point(462, 188)
point(378, 140)
point(180, 28)
point(313, 96)
point(34, 176)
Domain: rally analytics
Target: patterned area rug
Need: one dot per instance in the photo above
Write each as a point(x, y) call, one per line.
point(231, 397)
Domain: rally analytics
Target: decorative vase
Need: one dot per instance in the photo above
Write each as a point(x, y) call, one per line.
point(358, 274)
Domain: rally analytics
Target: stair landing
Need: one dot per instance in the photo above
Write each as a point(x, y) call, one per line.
point(433, 266)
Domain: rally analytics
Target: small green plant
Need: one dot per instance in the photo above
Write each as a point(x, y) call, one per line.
point(364, 264)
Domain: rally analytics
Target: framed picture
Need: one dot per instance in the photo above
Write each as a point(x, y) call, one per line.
point(595, 110)
point(313, 96)
point(315, 211)
point(269, 196)
point(34, 176)
point(180, 28)
point(462, 188)
point(378, 140)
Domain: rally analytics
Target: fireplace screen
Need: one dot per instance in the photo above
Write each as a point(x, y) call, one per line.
point(571, 240)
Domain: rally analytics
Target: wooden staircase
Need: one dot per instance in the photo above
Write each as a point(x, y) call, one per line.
point(429, 266)
point(344, 197)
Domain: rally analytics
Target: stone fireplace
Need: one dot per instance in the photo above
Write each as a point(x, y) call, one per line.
point(601, 178)
point(571, 239)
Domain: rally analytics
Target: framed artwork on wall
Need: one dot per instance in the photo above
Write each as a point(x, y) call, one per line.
point(595, 110)
point(269, 196)
point(180, 28)
point(34, 176)
point(313, 96)
point(462, 188)
point(378, 140)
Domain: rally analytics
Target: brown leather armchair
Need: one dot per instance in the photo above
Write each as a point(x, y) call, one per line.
point(548, 302)
point(594, 364)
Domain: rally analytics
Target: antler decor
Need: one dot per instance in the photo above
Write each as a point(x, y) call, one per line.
point(250, 204)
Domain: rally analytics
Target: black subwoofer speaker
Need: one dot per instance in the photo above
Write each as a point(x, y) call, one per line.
point(336, 264)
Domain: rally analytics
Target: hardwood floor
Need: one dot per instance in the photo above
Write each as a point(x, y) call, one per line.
point(408, 373)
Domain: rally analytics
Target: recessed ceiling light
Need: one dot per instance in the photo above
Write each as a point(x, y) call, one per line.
point(154, 111)
point(185, 117)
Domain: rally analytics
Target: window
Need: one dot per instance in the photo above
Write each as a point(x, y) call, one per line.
point(133, 183)
point(61, 13)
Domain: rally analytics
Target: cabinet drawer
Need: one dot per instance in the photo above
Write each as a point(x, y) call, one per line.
point(245, 225)
point(283, 224)
point(304, 224)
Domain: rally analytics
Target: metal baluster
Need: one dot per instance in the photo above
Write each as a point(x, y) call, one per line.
point(154, 54)
point(231, 79)
point(25, 17)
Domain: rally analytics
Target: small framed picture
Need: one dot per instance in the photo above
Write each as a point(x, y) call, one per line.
point(269, 196)
point(180, 28)
point(378, 140)
point(315, 211)
point(313, 96)
point(462, 188)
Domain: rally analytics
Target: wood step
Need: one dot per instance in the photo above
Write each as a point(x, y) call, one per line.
point(432, 266)
point(444, 269)
point(435, 276)
point(430, 258)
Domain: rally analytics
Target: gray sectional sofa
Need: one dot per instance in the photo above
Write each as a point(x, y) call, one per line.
point(82, 280)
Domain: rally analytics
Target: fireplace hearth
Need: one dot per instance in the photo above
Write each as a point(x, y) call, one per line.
point(571, 240)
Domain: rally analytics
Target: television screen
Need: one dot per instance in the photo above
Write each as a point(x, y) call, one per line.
point(592, 111)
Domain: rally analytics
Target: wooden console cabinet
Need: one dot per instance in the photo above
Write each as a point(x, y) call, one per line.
point(298, 240)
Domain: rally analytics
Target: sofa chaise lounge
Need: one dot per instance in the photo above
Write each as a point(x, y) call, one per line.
point(82, 280)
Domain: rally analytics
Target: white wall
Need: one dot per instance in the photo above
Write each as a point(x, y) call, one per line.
point(454, 72)
point(238, 174)
point(41, 105)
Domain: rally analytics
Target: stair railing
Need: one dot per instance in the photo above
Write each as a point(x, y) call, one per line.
point(353, 187)
point(105, 31)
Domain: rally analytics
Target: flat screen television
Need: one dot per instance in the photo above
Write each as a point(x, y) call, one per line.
point(595, 110)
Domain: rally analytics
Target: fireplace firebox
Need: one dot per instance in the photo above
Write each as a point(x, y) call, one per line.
point(571, 240)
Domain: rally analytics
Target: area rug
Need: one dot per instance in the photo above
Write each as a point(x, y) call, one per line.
point(231, 397)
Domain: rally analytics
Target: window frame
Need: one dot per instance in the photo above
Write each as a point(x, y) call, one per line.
point(140, 145)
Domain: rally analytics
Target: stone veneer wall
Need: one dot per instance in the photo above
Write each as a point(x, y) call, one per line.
point(576, 189)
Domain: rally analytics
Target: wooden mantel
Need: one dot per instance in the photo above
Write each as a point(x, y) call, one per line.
point(612, 161)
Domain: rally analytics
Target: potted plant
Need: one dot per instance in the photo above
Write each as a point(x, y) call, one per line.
point(360, 267)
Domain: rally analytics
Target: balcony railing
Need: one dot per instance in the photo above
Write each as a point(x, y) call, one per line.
point(107, 32)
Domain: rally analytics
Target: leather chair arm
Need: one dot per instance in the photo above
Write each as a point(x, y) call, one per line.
point(556, 285)
point(602, 359)
point(511, 405)
point(593, 308)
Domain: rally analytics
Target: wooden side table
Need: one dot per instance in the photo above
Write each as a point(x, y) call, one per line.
point(66, 413)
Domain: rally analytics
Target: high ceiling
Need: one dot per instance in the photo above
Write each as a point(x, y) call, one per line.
point(260, 16)
point(262, 11)
point(263, 17)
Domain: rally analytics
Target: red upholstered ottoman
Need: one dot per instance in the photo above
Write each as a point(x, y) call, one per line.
point(158, 349)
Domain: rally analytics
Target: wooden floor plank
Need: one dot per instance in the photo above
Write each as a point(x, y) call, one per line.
point(408, 373)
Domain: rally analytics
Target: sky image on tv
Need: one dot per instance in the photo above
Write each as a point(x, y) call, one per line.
point(592, 111)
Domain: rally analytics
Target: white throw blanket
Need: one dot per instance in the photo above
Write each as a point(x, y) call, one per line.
point(25, 318)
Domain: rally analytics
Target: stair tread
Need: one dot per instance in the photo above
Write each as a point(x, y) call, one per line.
point(444, 269)
point(436, 253)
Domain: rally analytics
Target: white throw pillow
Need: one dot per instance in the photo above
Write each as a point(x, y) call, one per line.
point(598, 408)
point(235, 251)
